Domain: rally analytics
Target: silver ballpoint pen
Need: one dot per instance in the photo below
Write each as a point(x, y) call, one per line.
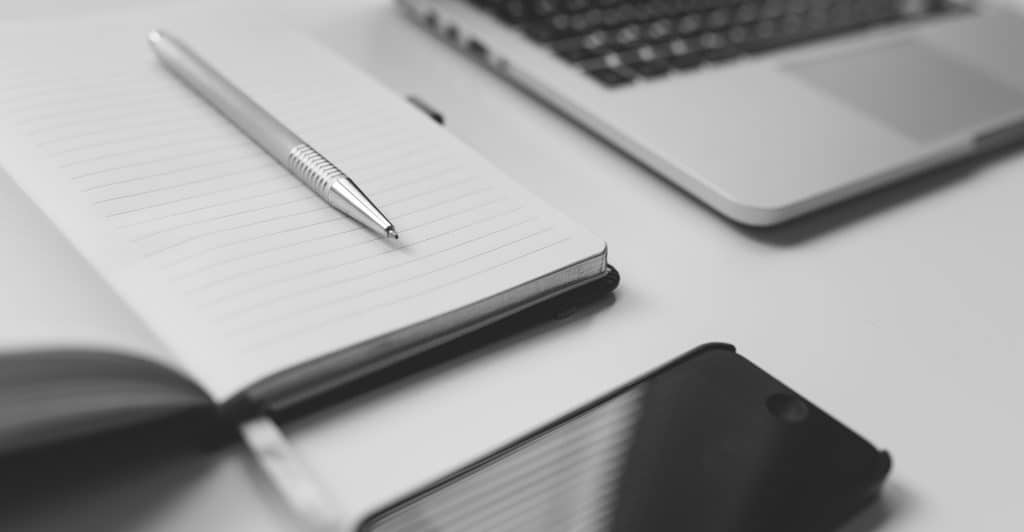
point(313, 169)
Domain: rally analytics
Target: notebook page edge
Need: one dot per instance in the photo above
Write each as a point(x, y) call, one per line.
point(298, 384)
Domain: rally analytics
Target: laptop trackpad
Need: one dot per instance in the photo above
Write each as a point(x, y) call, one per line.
point(916, 89)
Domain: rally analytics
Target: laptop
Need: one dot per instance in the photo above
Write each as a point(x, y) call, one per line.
point(763, 109)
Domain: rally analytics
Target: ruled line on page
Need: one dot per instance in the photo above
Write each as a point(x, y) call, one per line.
point(366, 239)
point(100, 136)
point(334, 267)
point(389, 203)
point(98, 103)
point(259, 237)
point(283, 336)
point(166, 110)
point(39, 87)
point(152, 141)
point(233, 200)
point(349, 228)
point(346, 247)
point(347, 298)
point(263, 165)
point(218, 176)
point(220, 217)
point(316, 207)
point(155, 159)
point(273, 178)
point(252, 179)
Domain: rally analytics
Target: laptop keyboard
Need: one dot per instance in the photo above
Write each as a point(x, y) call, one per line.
point(619, 41)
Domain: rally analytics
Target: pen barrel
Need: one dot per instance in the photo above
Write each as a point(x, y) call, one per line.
point(251, 119)
point(313, 169)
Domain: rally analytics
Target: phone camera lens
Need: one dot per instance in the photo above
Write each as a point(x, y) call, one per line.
point(787, 407)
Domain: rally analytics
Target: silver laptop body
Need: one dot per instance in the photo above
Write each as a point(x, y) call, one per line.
point(765, 137)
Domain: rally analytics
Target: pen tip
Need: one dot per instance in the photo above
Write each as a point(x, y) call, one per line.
point(392, 233)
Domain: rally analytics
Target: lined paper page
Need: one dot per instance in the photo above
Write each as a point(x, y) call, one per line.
point(240, 268)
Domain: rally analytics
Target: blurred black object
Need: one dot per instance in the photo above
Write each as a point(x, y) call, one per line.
point(723, 446)
point(707, 443)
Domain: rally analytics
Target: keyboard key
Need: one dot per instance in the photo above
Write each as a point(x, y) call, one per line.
point(772, 9)
point(658, 31)
point(715, 47)
point(544, 8)
point(682, 54)
point(627, 37)
point(766, 34)
point(653, 69)
point(738, 36)
point(609, 69)
point(597, 41)
point(544, 31)
point(513, 11)
point(586, 21)
point(610, 77)
point(689, 25)
point(746, 13)
point(576, 49)
point(718, 19)
point(609, 60)
point(618, 16)
point(797, 7)
point(646, 61)
point(577, 5)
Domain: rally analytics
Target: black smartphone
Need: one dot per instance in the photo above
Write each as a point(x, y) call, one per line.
point(707, 443)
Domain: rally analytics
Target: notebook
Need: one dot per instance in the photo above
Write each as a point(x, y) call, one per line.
point(158, 261)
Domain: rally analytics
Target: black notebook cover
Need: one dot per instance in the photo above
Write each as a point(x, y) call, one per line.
point(545, 311)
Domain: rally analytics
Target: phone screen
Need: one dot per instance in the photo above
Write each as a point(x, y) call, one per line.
point(561, 479)
point(708, 443)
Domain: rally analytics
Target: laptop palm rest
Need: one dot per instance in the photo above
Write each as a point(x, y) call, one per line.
point(913, 88)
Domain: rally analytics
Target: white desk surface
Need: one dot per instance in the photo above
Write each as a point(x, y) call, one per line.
point(899, 314)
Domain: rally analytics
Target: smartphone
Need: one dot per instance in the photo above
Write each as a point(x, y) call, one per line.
point(706, 443)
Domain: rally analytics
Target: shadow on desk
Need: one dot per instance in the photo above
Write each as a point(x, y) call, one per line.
point(880, 514)
point(893, 196)
point(89, 485)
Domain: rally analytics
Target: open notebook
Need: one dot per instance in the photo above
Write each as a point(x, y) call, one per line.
point(156, 259)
